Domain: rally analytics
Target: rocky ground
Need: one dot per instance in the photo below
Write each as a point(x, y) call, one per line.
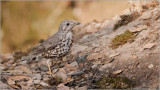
point(112, 54)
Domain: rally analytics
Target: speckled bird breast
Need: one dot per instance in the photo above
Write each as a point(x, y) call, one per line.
point(61, 49)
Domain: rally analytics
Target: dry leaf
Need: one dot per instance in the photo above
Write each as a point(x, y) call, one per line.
point(118, 72)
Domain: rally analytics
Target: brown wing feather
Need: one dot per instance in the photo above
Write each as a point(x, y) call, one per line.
point(51, 42)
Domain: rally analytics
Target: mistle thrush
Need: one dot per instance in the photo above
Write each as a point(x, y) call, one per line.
point(57, 45)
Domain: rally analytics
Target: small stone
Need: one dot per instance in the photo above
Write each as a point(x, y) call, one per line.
point(137, 29)
point(36, 81)
point(107, 65)
point(36, 76)
point(150, 66)
point(146, 15)
point(63, 87)
point(3, 67)
point(75, 73)
point(85, 37)
point(43, 83)
point(127, 12)
point(25, 69)
point(134, 56)
point(54, 71)
point(95, 56)
point(118, 72)
point(149, 45)
point(82, 88)
point(95, 65)
point(62, 73)
point(97, 26)
point(73, 64)
point(43, 67)
point(113, 55)
point(80, 59)
point(78, 48)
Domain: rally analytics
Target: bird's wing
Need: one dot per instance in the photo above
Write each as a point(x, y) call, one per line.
point(51, 42)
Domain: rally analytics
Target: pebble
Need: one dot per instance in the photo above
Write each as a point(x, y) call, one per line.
point(95, 65)
point(36, 81)
point(43, 83)
point(80, 59)
point(146, 15)
point(95, 56)
point(3, 67)
point(149, 45)
point(113, 55)
point(73, 64)
point(150, 66)
point(78, 48)
point(43, 67)
point(82, 88)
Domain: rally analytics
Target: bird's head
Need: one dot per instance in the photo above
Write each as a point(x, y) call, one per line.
point(67, 25)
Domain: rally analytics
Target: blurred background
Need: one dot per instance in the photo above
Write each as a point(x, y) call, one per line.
point(25, 23)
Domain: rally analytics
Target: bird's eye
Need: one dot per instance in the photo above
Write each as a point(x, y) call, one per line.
point(67, 24)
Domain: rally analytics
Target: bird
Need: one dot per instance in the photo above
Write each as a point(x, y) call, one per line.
point(58, 45)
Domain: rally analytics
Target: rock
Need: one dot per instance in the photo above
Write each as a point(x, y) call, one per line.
point(97, 26)
point(113, 55)
point(36, 76)
point(95, 56)
point(74, 64)
point(4, 86)
point(97, 62)
point(25, 69)
point(78, 48)
point(150, 66)
point(3, 67)
point(43, 67)
point(43, 84)
point(134, 56)
point(6, 56)
point(108, 24)
point(36, 81)
point(135, 29)
point(80, 59)
point(18, 71)
point(54, 71)
point(62, 73)
point(118, 72)
point(75, 73)
point(105, 66)
point(95, 65)
point(63, 87)
point(85, 37)
point(146, 15)
point(21, 81)
point(82, 88)
point(149, 45)
point(127, 12)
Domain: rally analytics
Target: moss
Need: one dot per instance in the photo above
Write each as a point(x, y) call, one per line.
point(122, 39)
point(114, 82)
point(54, 81)
point(125, 19)
point(102, 83)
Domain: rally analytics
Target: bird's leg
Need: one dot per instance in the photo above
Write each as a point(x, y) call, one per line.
point(49, 66)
